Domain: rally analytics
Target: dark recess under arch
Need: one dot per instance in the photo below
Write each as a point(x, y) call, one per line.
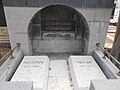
point(59, 29)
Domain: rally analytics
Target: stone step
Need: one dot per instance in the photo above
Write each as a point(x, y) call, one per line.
point(16, 86)
point(111, 84)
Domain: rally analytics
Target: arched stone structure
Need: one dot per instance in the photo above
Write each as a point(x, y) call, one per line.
point(58, 29)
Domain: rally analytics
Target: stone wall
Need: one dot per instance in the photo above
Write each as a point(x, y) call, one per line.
point(20, 12)
point(73, 3)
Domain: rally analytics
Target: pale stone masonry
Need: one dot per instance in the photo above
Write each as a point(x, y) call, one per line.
point(16, 85)
point(35, 69)
point(19, 14)
point(83, 70)
point(111, 84)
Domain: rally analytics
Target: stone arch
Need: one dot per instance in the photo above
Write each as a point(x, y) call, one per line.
point(58, 29)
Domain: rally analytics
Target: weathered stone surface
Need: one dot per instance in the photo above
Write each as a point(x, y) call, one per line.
point(111, 84)
point(74, 3)
point(9, 66)
point(106, 65)
point(16, 86)
point(83, 70)
point(59, 76)
point(19, 23)
point(33, 68)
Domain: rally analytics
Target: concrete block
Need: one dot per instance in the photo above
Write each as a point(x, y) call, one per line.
point(33, 68)
point(25, 49)
point(30, 52)
point(83, 69)
point(100, 14)
point(94, 29)
point(18, 26)
point(30, 12)
point(110, 84)
point(91, 48)
point(109, 69)
point(16, 86)
point(89, 14)
point(14, 13)
point(102, 33)
point(21, 38)
point(46, 45)
point(63, 46)
point(10, 65)
point(103, 15)
point(57, 45)
point(108, 15)
point(36, 45)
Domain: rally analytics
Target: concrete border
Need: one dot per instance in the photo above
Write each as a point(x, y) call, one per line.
point(109, 69)
point(10, 65)
point(35, 69)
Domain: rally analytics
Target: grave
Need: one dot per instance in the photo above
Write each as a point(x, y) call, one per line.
point(83, 69)
point(33, 68)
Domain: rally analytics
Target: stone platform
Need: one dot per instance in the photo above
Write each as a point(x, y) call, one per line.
point(33, 68)
point(16, 86)
point(83, 70)
point(111, 84)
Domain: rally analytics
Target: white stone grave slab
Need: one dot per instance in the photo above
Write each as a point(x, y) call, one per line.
point(16, 86)
point(33, 68)
point(83, 69)
point(110, 84)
